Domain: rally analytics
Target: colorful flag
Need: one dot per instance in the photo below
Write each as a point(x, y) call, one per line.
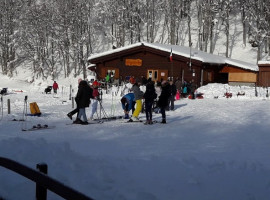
point(171, 59)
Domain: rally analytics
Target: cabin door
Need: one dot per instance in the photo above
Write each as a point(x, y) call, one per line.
point(163, 75)
point(153, 74)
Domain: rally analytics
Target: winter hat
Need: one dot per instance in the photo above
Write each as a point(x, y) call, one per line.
point(132, 80)
point(95, 83)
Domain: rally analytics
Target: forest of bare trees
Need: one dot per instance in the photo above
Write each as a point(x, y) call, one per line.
point(57, 36)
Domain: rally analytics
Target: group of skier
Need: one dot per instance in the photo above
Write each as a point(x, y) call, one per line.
point(163, 95)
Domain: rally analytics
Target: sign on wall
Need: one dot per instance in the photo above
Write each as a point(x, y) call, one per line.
point(133, 62)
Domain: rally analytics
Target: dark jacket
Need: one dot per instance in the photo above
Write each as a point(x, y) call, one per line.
point(192, 87)
point(83, 95)
point(178, 85)
point(173, 90)
point(150, 94)
point(164, 96)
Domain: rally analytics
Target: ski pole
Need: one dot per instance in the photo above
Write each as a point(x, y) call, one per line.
point(23, 125)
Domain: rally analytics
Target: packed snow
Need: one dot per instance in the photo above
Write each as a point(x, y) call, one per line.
point(211, 148)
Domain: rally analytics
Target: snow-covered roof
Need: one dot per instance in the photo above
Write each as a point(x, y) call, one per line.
point(264, 62)
point(185, 52)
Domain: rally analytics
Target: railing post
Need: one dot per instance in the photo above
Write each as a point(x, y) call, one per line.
point(41, 192)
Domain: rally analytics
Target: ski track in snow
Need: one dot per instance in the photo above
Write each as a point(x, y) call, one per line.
point(210, 149)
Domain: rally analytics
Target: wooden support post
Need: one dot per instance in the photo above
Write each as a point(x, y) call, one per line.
point(41, 192)
point(8, 104)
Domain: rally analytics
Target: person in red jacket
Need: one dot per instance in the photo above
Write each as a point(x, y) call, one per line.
point(55, 87)
point(95, 99)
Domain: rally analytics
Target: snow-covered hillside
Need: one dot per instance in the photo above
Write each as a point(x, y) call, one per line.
point(211, 148)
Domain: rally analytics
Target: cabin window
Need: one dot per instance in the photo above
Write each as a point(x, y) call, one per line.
point(112, 71)
point(156, 75)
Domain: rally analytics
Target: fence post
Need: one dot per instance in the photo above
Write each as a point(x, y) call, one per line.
point(8, 104)
point(41, 192)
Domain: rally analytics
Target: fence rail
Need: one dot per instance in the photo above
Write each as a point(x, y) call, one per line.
point(43, 180)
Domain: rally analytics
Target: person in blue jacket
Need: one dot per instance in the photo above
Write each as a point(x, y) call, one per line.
point(128, 104)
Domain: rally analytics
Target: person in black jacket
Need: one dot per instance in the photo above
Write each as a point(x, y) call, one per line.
point(171, 99)
point(163, 99)
point(192, 89)
point(149, 97)
point(76, 110)
point(83, 100)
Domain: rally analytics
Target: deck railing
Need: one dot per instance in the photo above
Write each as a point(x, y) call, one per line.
point(43, 182)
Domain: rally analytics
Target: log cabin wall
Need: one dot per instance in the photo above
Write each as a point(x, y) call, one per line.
point(145, 61)
point(264, 75)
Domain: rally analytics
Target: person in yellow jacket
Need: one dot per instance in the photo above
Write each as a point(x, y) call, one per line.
point(138, 95)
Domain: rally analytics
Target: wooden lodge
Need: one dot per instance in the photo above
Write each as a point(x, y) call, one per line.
point(264, 73)
point(152, 60)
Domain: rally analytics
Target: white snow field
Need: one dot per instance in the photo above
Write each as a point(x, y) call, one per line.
point(210, 149)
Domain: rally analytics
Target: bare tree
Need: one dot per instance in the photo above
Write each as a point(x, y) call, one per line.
point(9, 13)
point(258, 24)
point(57, 36)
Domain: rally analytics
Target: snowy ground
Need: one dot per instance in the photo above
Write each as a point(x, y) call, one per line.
point(212, 148)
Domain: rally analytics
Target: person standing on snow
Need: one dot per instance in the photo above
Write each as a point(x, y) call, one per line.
point(107, 78)
point(163, 100)
point(178, 85)
point(83, 100)
point(172, 96)
point(138, 95)
point(76, 110)
point(55, 87)
point(128, 104)
point(158, 88)
point(185, 89)
point(95, 99)
point(192, 89)
point(149, 97)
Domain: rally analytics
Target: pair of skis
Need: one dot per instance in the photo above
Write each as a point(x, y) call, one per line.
point(89, 123)
point(38, 127)
point(153, 122)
